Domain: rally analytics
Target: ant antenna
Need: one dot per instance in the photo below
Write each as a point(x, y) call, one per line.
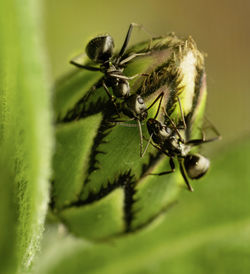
point(182, 114)
point(182, 169)
point(214, 129)
point(127, 38)
point(173, 125)
point(160, 96)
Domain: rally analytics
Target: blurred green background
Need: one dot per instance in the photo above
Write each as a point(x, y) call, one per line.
point(220, 28)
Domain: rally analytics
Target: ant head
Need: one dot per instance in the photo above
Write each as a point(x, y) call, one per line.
point(135, 107)
point(140, 108)
point(153, 126)
point(100, 48)
point(196, 165)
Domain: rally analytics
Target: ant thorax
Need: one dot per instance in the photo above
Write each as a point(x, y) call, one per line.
point(175, 143)
point(109, 68)
point(165, 132)
point(175, 146)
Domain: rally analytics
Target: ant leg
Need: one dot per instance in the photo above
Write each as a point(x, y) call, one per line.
point(141, 138)
point(127, 38)
point(214, 129)
point(149, 141)
point(146, 148)
point(123, 121)
point(140, 132)
point(184, 175)
point(158, 97)
point(124, 124)
point(197, 142)
point(132, 56)
point(72, 62)
point(162, 151)
point(158, 109)
point(111, 97)
point(127, 77)
point(172, 166)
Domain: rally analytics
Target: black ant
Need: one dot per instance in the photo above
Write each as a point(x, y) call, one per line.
point(168, 139)
point(100, 51)
point(134, 107)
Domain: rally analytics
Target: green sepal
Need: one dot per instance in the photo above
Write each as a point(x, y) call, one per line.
point(74, 142)
point(173, 67)
point(114, 158)
point(99, 219)
point(154, 195)
point(71, 88)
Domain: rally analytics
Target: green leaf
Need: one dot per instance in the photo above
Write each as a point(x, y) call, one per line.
point(87, 171)
point(206, 232)
point(26, 131)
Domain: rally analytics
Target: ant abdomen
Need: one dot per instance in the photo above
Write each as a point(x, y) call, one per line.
point(100, 48)
point(196, 165)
